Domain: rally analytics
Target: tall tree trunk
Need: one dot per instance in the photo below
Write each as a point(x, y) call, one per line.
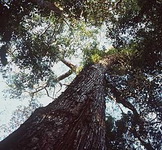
point(74, 121)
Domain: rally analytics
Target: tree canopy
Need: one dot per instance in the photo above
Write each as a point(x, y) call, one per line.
point(35, 35)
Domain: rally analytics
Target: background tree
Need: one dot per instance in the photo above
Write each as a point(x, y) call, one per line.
point(141, 20)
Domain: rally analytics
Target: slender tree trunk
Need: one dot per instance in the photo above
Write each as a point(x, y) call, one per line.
point(74, 121)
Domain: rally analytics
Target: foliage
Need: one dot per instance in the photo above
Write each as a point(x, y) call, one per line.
point(92, 55)
point(140, 93)
point(135, 28)
point(139, 23)
point(43, 42)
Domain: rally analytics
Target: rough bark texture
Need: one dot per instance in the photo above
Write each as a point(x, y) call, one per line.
point(74, 121)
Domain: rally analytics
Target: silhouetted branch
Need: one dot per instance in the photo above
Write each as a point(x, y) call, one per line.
point(148, 146)
point(65, 75)
point(48, 93)
point(139, 121)
point(118, 3)
point(48, 5)
point(67, 63)
point(44, 87)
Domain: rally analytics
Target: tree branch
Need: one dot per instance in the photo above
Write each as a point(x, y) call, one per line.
point(48, 93)
point(44, 87)
point(65, 75)
point(139, 121)
point(48, 5)
point(148, 146)
point(118, 3)
point(70, 65)
point(119, 99)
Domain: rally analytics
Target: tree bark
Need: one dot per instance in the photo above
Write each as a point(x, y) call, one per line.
point(74, 121)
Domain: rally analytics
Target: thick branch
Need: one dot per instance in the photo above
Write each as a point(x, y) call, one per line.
point(48, 5)
point(137, 117)
point(119, 99)
point(118, 3)
point(145, 144)
point(65, 75)
point(69, 64)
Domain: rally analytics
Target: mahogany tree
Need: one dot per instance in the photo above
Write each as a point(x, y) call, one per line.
point(32, 36)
